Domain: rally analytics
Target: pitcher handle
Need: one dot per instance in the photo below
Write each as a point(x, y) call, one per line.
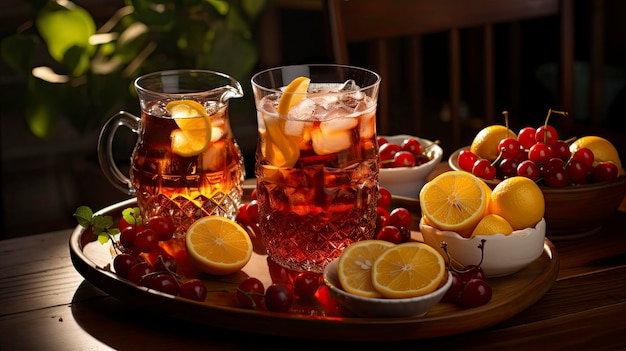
point(105, 149)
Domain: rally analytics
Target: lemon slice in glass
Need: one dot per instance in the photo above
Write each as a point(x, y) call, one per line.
point(283, 150)
point(194, 127)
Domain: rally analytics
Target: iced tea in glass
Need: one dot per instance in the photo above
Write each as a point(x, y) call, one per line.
point(316, 162)
point(186, 163)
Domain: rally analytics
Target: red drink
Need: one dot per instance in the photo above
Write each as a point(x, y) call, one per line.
point(317, 175)
point(207, 181)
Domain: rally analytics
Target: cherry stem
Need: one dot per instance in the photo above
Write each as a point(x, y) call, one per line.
point(506, 122)
point(436, 142)
point(545, 123)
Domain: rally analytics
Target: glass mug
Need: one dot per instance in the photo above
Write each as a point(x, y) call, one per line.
point(186, 163)
point(317, 166)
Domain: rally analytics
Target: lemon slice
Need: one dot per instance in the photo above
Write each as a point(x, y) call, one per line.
point(408, 270)
point(218, 245)
point(283, 150)
point(293, 94)
point(194, 127)
point(354, 267)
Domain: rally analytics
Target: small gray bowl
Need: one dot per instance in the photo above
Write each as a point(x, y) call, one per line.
point(381, 307)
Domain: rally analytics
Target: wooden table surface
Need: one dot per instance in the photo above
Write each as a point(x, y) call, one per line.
point(45, 304)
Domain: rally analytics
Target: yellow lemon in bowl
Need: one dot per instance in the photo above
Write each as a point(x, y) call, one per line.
point(518, 200)
point(485, 143)
point(603, 150)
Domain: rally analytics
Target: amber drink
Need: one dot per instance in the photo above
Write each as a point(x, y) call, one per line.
point(316, 167)
point(186, 163)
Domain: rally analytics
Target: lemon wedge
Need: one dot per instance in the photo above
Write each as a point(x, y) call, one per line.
point(283, 150)
point(293, 94)
point(194, 127)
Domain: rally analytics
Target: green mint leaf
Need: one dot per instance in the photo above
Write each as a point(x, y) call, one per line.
point(84, 215)
point(103, 238)
point(132, 215)
point(101, 223)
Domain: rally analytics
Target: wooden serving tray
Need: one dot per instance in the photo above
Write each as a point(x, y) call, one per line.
point(318, 318)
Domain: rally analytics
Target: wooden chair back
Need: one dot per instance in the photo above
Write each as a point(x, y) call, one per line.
point(378, 21)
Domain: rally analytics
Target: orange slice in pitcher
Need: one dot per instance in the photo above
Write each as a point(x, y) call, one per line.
point(281, 149)
point(218, 245)
point(194, 127)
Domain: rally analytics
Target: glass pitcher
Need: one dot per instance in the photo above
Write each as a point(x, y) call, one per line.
point(186, 163)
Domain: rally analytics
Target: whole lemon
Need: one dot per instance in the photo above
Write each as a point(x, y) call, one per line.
point(603, 150)
point(492, 224)
point(485, 143)
point(519, 201)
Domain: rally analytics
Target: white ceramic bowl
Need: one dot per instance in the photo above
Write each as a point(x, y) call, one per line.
point(503, 254)
point(408, 181)
point(381, 307)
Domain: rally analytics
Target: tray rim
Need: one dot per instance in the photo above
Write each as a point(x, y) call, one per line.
point(299, 326)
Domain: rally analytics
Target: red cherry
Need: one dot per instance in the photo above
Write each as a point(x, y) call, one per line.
point(509, 147)
point(390, 233)
point(381, 141)
point(476, 292)
point(577, 171)
point(306, 284)
point(193, 289)
point(529, 169)
point(539, 153)
point(387, 151)
point(526, 137)
point(400, 217)
point(253, 211)
point(384, 197)
point(162, 226)
point(466, 160)
point(483, 169)
point(508, 167)
point(556, 177)
point(382, 218)
point(403, 159)
point(547, 135)
point(584, 154)
point(604, 171)
point(411, 145)
point(561, 150)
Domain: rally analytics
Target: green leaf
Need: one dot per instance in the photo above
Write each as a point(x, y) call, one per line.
point(103, 238)
point(132, 215)
point(101, 223)
point(83, 215)
point(18, 51)
point(63, 27)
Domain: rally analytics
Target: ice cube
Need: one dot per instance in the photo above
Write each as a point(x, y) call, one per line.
point(328, 143)
point(368, 126)
point(216, 133)
point(295, 128)
point(336, 121)
point(349, 85)
point(303, 110)
point(324, 100)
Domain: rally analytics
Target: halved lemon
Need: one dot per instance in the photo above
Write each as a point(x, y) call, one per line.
point(218, 245)
point(409, 269)
point(455, 201)
point(194, 127)
point(354, 266)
